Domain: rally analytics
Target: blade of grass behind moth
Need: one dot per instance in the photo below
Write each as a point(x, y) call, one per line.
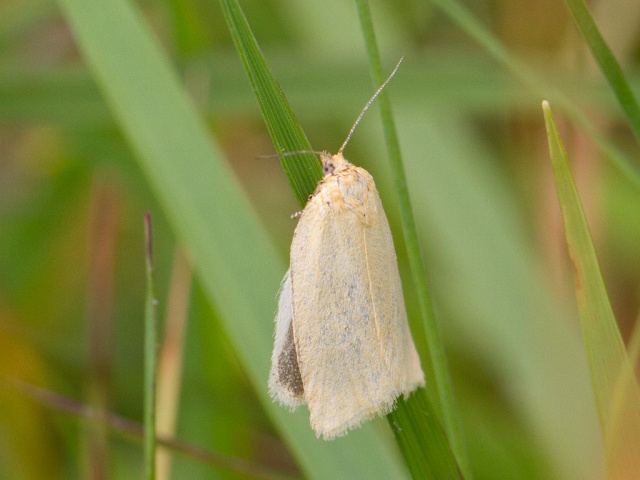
point(607, 63)
point(616, 390)
point(303, 171)
point(362, 446)
point(441, 388)
point(150, 328)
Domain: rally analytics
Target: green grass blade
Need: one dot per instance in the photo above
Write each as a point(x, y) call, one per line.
point(616, 390)
point(440, 387)
point(239, 268)
point(150, 342)
point(422, 440)
point(303, 171)
point(607, 62)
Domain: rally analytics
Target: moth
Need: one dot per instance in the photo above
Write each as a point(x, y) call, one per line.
point(342, 340)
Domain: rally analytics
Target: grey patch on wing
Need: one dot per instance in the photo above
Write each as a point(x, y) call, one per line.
point(288, 370)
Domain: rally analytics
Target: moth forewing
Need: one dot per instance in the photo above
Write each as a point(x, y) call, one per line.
point(387, 295)
point(348, 312)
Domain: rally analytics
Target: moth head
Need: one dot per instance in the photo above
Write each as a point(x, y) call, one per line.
point(331, 162)
point(327, 164)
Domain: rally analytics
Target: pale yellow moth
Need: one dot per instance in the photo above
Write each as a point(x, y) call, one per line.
point(342, 341)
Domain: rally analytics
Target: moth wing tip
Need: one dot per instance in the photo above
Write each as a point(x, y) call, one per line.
point(329, 430)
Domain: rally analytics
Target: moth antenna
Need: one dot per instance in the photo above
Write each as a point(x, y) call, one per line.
point(289, 154)
point(366, 107)
point(297, 152)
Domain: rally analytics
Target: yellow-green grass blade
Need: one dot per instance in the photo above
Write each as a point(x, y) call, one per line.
point(615, 388)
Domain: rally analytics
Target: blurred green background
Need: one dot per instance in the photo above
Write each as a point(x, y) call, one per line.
point(72, 199)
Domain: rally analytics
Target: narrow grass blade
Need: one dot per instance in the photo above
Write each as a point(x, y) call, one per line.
point(607, 62)
point(440, 387)
point(231, 253)
point(615, 388)
point(150, 333)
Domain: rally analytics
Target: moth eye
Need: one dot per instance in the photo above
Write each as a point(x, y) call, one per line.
point(328, 168)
